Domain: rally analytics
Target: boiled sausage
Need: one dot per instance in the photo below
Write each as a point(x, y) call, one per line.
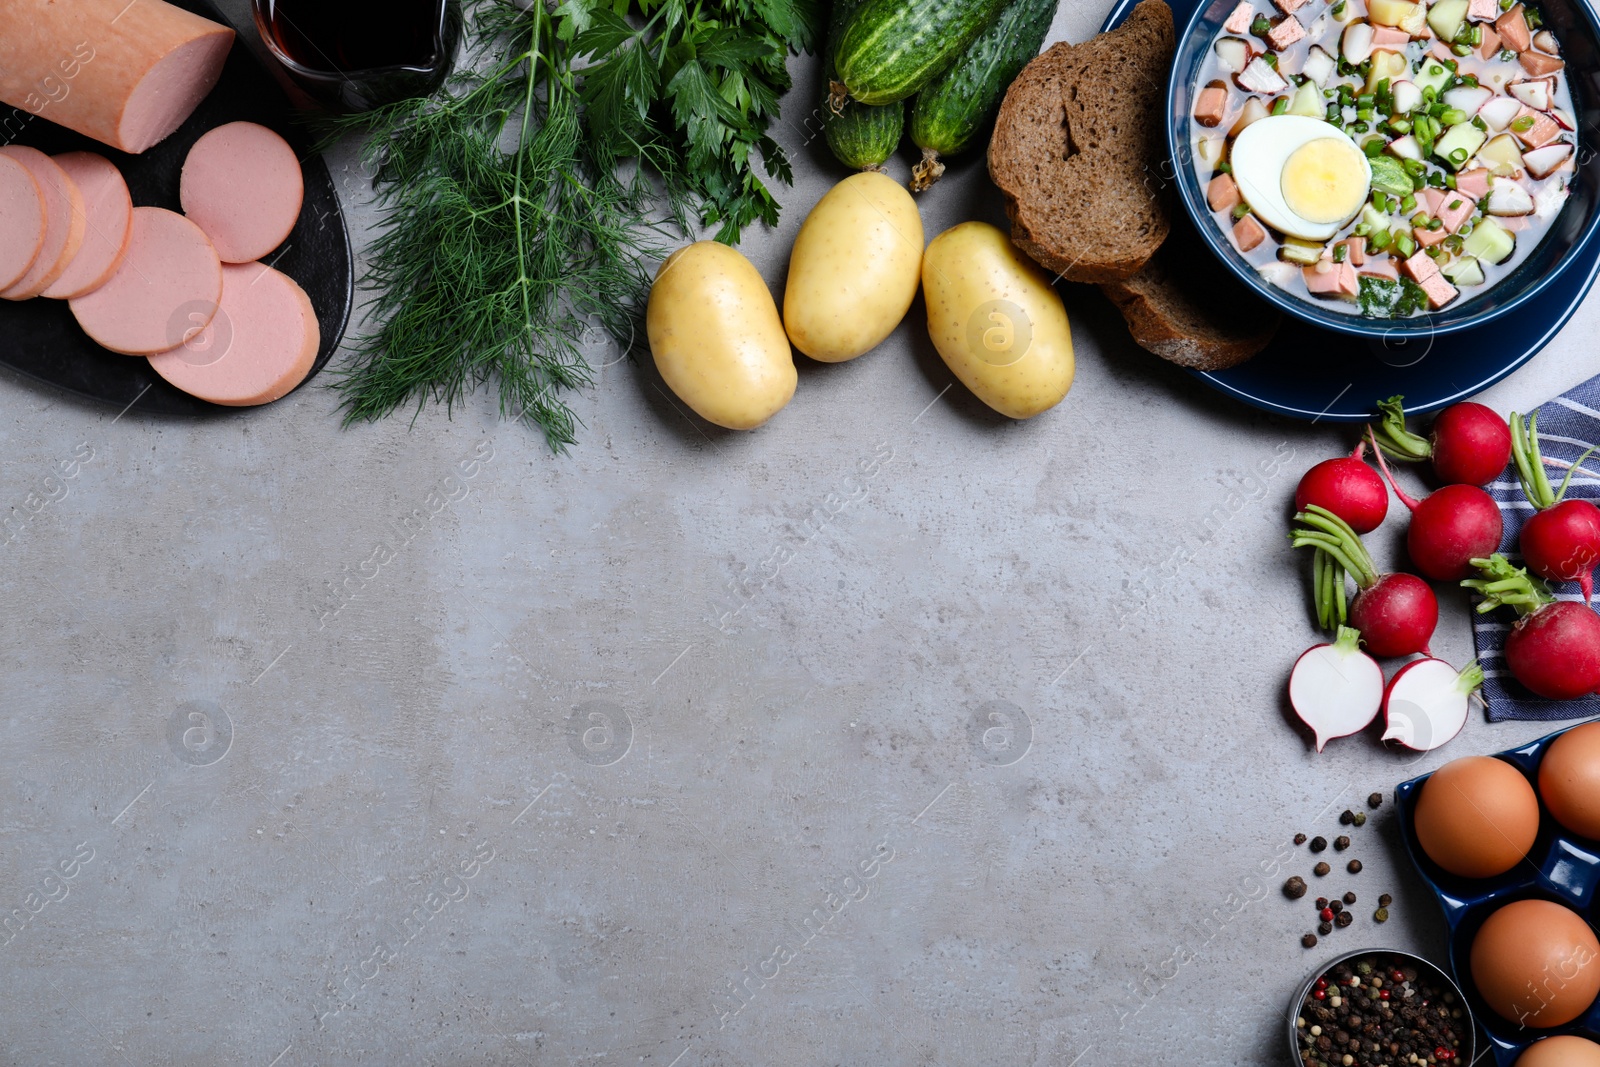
point(64, 222)
point(166, 289)
point(242, 184)
point(22, 220)
point(108, 211)
point(124, 72)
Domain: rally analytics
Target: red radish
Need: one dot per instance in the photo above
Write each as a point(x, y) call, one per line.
point(1554, 649)
point(1427, 702)
point(1450, 528)
point(1470, 444)
point(1561, 541)
point(1347, 487)
point(1336, 688)
point(1396, 613)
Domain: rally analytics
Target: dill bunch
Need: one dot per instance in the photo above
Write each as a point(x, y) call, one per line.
point(528, 199)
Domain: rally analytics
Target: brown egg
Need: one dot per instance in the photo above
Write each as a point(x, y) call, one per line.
point(1536, 963)
point(1569, 779)
point(1477, 816)
point(1564, 1051)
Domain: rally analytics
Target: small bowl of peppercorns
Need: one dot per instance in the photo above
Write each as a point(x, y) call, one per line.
point(1380, 1006)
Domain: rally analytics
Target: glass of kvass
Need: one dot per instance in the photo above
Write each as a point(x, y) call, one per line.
point(356, 55)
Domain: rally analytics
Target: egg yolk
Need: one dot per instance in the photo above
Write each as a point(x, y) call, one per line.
point(1325, 181)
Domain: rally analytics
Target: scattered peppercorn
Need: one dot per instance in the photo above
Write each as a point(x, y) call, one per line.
point(1385, 900)
point(1381, 915)
point(1309, 941)
point(1350, 898)
point(1343, 919)
point(1295, 888)
point(1336, 906)
point(1324, 928)
point(1361, 818)
point(1321, 869)
point(1318, 844)
point(1299, 839)
point(1322, 902)
point(1326, 915)
point(1346, 817)
point(1354, 866)
point(1341, 843)
point(1375, 801)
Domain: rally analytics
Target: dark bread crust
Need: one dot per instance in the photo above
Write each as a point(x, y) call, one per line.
point(1078, 148)
point(1185, 307)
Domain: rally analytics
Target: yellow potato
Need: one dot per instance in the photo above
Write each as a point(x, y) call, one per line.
point(854, 269)
point(717, 338)
point(996, 321)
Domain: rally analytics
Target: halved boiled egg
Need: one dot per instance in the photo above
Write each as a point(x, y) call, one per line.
point(1300, 175)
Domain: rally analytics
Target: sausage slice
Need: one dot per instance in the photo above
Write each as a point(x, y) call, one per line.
point(167, 287)
point(64, 222)
point(243, 185)
point(22, 220)
point(108, 211)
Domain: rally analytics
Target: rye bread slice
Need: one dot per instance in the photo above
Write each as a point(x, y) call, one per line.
point(1078, 146)
point(1187, 308)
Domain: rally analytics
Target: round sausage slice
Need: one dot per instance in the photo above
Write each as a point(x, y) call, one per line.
point(167, 287)
point(64, 222)
point(22, 220)
point(108, 211)
point(260, 346)
point(243, 185)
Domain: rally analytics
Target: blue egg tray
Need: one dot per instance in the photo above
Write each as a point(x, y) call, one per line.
point(1561, 867)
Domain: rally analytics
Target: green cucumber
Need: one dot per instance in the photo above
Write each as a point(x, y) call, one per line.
point(949, 112)
point(860, 135)
point(892, 48)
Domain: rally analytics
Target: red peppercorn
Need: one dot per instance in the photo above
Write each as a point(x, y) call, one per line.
point(1441, 1053)
point(1319, 994)
point(1383, 994)
point(1326, 914)
point(1322, 983)
point(1398, 976)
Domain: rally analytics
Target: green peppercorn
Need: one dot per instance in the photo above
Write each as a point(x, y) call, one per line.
point(1381, 915)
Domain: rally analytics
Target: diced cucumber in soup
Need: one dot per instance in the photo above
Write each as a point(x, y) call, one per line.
point(1502, 156)
point(1389, 12)
point(1433, 75)
point(1464, 271)
point(1459, 144)
point(1308, 101)
point(1490, 242)
point(1446, 17)
point(1305, 253)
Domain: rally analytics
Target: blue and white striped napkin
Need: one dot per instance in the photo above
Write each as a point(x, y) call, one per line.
point(1568, 426)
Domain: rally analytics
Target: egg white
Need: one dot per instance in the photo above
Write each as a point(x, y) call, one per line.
point(1259, 155)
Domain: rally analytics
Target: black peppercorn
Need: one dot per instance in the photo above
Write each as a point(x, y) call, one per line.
point(1344, 918)
point(1320, 869)
point(1375, 801)
point(1318, 844)
point(1324, 929)
point(1309, 941)
point(1341, 843)
point(1299, 839)
point(1295, 888)
point(1354, 867)
point(1346, 817)
point(1385, 900)
point(1336, 906)
point(1350, 898)
point(1322, 902)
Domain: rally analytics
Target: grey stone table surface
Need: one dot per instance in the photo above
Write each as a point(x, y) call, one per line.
point(678, 749)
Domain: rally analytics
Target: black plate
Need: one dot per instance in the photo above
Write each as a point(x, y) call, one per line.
point(41, 339)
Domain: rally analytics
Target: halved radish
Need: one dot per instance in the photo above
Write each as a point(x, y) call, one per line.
point(1427, 703)
point(1357, 44)
point(1336, 689)
point(22, 220)
point(1468, 98)
point(1234, 54)
point(64, 223)
point(1535, 93)
point(261, 344)
point(1498, 112)
point(1546, 42)
point(1564, 118)
point(1508, 199)
point(1407, 97)
point(1406, 148)
point(243, 186)
point(1261, 77)
point(1543, 162)
point(168, 286)
point(108, 212)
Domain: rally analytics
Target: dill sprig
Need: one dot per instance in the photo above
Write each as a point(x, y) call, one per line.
point(527, 199)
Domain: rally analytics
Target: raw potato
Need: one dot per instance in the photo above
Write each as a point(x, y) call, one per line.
point(717, 338)
point(854, 269)
point(996, 321)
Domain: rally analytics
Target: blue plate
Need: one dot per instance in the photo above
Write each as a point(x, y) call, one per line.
point(1561, 867)
point(1313, 373)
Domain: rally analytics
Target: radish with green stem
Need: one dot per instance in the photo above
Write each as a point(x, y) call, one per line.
point(1469, 444)
point(1449, 528)
point(1561, 541)
point(1427, 703)
point(1554, 648)
point(1396, 613)
point(1336, 689)
point(1350, 489)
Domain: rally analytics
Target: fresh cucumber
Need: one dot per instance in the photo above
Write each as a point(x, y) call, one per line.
point(949, 112)
point(860, 135)
point(892, 48)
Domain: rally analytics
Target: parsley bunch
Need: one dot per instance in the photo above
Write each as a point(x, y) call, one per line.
point(529, 197)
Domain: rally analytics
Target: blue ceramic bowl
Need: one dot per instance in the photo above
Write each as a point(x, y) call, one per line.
point(1574, 23)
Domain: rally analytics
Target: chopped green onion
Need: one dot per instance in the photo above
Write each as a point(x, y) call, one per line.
point(1454, 205)
point(1379, 240)
point(1406, 245)
point(1400, 126)
point(1453, 116)
point(1461, 49)
point(1224, 168)
point(1339, 9)
point(1454, 243)
point(1466, 228)
point(1362, 229)
point(1280, 105)
point(1434, 224)
point(1414, 167)
point(1408, 205)
point(1373, 147)
point(1532, 17)
point(1364, 114)
point(1429, 95)
point(1271, 59)
point(1419, 219)
point(1471, 80)
point(1507, 55)
point(1241, 210)
point(1261, 27)
point(1450, 181)
point(1436, 179)
point(1477, 120)
point(1524, 124)
point(1359, 127)
point(1339, 252)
